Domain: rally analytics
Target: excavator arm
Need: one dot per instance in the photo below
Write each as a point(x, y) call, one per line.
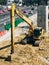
point(27, 20)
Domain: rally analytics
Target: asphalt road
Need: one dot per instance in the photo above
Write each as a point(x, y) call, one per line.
point(5, 18)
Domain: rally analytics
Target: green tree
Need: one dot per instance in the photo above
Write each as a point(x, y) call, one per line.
point(3, 1)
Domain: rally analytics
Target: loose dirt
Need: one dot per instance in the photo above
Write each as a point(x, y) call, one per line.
point(24, 54)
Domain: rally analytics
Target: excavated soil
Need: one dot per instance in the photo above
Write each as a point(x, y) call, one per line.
point(24, 54)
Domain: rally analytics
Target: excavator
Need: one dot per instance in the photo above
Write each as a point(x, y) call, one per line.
point(34, 35)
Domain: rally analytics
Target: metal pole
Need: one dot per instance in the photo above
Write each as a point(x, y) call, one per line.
point(12, 27)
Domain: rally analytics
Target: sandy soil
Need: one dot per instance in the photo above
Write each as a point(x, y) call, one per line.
point(24, 54)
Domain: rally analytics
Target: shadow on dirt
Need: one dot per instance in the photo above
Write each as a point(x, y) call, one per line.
point(6, 58)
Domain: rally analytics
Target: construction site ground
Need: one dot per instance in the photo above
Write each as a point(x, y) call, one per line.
point(24, 54)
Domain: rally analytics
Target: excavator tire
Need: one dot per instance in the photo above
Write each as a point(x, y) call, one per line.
point(36, 43)
point(24, 41)
point(28, 40)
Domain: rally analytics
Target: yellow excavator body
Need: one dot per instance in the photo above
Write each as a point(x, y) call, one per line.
point(37, 33)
